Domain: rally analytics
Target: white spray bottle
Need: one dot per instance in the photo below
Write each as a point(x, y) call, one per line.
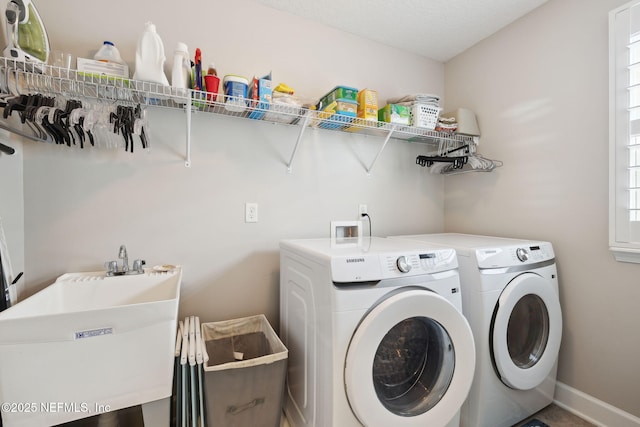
point(181, 71)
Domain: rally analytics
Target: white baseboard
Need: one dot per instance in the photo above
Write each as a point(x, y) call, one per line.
point(591, 409)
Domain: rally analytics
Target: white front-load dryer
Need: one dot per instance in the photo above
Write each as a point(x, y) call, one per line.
point(510, 298)
point(375, 334)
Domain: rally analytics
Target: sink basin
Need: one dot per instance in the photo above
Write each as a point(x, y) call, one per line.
point(88, 344)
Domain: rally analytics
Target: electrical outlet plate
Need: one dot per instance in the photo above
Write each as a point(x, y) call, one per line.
point(362, 209)
point(250, 212)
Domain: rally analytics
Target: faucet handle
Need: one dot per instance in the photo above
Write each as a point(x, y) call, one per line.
point(112, 267)
point(137, 265)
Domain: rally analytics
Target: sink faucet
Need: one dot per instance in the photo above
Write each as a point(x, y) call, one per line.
point(114, 270)
point(122, 254)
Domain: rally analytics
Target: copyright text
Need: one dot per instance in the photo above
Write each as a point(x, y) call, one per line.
point(53, 407)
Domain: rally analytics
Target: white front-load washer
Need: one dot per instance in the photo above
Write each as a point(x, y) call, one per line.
point(510, 298)
point(375, 334)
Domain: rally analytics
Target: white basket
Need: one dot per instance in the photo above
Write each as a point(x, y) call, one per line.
point(424, 115)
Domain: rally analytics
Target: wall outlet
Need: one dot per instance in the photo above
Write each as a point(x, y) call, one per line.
point(250, 212)
point(362, 209)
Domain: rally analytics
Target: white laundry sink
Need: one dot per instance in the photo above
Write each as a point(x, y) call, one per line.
point(88, 344)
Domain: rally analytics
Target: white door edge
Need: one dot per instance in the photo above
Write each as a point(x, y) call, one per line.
point(511, 374)
point(361, 352)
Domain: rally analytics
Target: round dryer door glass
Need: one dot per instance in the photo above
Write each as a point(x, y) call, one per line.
point(528, 331)
point(413, 366)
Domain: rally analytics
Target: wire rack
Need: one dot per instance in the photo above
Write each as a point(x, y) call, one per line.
point(295, 115)
point(17, 77)
point(21, 78)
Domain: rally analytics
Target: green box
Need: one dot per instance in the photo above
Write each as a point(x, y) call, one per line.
point(394, 113)
point(344, 93)
point(339, 93)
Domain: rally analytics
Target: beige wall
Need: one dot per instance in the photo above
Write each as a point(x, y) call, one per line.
point(539, 88)
point(80, 205)
point(540, 91)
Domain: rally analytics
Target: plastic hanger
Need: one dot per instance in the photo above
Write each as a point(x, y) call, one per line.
point(6, 149)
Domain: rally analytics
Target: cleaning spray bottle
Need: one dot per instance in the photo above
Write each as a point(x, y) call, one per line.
point(197, 78)
point(150, 57)
point(180, 74)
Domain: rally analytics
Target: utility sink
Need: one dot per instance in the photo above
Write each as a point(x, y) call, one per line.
point(88, 344)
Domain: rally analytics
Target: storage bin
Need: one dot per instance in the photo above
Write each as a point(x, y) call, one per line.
point(244, 377)
point(338, 93)
point(337, 121)
point(337, 114)
point(341, 92)
point(346, 108)
point(424, 115)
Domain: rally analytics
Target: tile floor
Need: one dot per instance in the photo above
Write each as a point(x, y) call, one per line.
point(552, 415)
point(555, 416)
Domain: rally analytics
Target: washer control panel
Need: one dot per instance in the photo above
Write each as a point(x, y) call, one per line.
point(403, 265)
point(522, 254)
point(420, 263)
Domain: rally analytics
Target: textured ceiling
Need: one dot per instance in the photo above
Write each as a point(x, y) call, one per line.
point(436, 29)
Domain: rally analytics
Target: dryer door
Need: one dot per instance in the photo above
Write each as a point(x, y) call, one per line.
point(410, 361)
point(527, 328)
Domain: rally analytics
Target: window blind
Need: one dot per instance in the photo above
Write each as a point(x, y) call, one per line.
point(624, 124)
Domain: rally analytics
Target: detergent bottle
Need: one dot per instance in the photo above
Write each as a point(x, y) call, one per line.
point(150, 57)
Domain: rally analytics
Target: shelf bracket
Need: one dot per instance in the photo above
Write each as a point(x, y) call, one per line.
point(187, 162)
point(295, 148)
point(386, 140)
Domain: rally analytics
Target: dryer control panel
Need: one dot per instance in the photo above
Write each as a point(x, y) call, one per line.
point(525, 253)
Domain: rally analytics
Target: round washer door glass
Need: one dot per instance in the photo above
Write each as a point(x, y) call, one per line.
point(527, 329)
point(413, 366)
point(410, 361)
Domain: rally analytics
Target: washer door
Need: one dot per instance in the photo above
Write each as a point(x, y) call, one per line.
point(410, 361)
point(527, 329)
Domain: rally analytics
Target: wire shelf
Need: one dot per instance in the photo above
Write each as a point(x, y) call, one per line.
point(18, 77)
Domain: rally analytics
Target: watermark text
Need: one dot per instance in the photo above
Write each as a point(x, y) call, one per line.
point(53, 407)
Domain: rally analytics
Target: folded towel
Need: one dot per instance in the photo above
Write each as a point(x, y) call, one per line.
point(422, 98)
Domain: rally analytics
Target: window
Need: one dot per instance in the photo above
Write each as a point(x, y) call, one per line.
point(624, 132)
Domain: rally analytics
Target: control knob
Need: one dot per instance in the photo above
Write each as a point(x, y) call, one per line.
point(403, 265)
point(522, 254)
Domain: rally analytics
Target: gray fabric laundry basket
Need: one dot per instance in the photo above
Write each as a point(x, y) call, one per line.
point(245, 373)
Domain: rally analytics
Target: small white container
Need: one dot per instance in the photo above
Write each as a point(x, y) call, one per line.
point(108, 53)
point(235, 90)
